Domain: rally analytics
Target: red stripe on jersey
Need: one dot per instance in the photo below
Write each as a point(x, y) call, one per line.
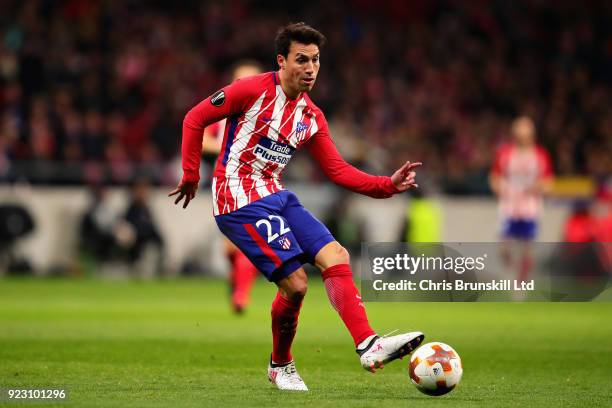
point(263, 245)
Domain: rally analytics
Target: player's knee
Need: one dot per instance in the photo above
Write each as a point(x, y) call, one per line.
point(339, 255)
point(297, 290)
point(332, 254)
point(296, 286)
point(343, 255)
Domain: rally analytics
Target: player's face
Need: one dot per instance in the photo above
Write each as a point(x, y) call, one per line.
point(523, 131)
point(301, 66)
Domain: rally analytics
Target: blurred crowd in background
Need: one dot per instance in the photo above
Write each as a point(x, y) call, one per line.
point(95, 91)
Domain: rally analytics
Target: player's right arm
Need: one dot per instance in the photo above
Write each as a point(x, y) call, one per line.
point(224, 103)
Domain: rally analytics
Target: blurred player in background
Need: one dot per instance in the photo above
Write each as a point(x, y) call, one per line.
point(269, 116)
point(243, 273)
point(520, 176)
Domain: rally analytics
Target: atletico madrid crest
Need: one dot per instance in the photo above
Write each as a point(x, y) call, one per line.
point(285, 243)
point(300, 129)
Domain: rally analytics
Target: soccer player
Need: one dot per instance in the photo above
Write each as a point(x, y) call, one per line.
point(270, 116)
point(243, 273)
point(520, 176)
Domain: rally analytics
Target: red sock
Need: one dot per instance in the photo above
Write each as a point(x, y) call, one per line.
point(345, 298)
point(243, 275)
point(284, 324)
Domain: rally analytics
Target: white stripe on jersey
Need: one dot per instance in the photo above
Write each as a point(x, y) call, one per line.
point(277, 114)
point(214, 194)
point(240, 143)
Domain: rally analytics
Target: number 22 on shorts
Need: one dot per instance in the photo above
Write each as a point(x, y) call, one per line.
point(268, 225)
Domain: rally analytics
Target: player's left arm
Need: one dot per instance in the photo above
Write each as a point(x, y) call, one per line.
point(324, 151)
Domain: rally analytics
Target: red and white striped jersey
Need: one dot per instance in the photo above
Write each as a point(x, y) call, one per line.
point(259, 142)
point(264, 127)
point(520, 170)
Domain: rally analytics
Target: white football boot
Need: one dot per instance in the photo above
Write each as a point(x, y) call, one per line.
point(382, 350)
point(286, 377)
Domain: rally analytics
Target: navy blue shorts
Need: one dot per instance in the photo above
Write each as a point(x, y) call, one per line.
point(276, 233)
point(524, 230)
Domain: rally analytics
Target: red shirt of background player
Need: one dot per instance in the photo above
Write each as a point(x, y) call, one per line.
point(521, 170)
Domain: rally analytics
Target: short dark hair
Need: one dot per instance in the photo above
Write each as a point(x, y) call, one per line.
point(298, 32)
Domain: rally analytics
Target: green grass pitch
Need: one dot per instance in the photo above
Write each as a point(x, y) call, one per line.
point(175, 343)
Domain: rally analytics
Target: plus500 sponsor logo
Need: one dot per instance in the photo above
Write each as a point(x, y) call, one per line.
point(270, 150)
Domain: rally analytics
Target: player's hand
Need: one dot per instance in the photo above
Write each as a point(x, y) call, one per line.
point(404, 178)
point(186, 190)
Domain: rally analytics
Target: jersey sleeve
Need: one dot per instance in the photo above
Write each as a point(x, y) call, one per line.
point(497, 168)
point(322, 148)
point(229, 101)
point(546, 164)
